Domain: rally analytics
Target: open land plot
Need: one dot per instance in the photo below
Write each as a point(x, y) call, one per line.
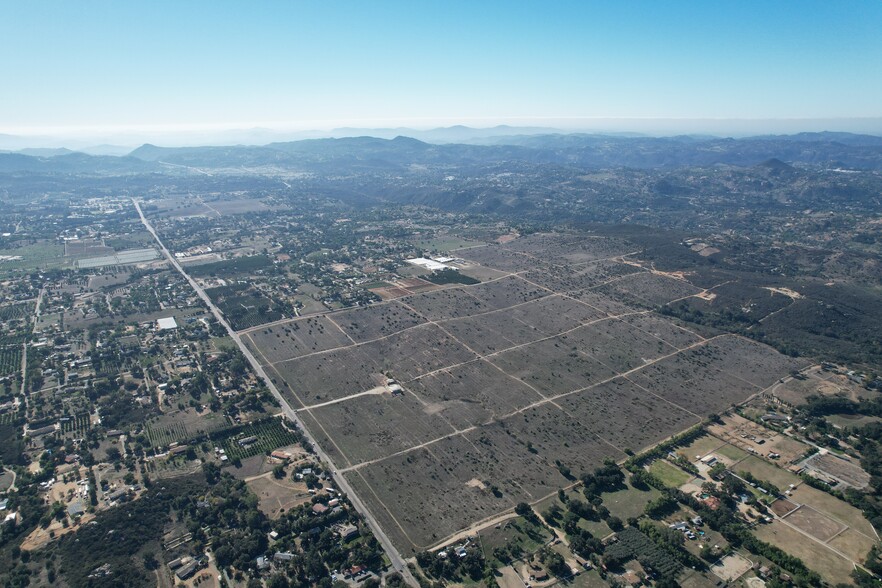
point(663, 329)
point(296, 338)
point(504, 460)
point(731, 453)
point(648, 289)
point(328, 376)
point(492, 332)
point(444, 242)
point(832, 567)
point(834, 508)
point(472, 436)
point(552, 366)
point(570, 278)
point(815, 381)
point(377, 425)
point(377, 320)
point(751, 361)
point(472, 393)
point(731, 567)
point(795, 391)
point(626, 416)
point(479, 272)
point(506, 292)
point(540, 431)
point(238, 206)
point(782, 507)
point(344, 372)
point(389, 293)
point(497, 257)
point(418, 351)
point(602, 302)
point(446, 304)
point(842, 468)
point(554, 314)
point(853, 543)
point(814, 523)
point(425, 494)
point(570, 249)
point(681, 380)
point(617, 344)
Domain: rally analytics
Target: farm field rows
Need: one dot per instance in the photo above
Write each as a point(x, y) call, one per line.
point(507, 387)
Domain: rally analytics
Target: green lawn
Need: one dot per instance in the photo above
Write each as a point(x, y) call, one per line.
point(629, 502)
point(668, 473)
point(732, 452)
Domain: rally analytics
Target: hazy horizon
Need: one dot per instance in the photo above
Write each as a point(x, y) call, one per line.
point(170, 72)
point(263, 133)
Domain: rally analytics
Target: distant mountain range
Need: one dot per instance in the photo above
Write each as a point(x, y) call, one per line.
point(500, 144)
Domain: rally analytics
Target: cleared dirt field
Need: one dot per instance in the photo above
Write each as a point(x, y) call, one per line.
point(505, 383)
point(814, 523)
point(277, 496)
point(834, 508)
point(731, 567)
point(782, 507)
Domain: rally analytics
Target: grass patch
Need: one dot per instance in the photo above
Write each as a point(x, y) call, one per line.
point(668, 473)
point(732, 452)
point(629, 502)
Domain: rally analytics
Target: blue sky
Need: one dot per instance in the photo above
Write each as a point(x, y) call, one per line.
point(184, 64)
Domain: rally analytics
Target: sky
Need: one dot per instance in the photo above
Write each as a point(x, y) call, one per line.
point(78, 67)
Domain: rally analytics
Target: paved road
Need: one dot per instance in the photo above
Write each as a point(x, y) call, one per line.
point(397, 561)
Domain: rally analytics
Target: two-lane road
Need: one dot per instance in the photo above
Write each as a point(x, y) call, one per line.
point(397, 561)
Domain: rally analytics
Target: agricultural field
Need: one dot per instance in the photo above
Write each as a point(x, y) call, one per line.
point(181, 426)
point(77, 425)
point(10, 358)
point(509, 389)
point(40, 255)
point(16, 311)
point(269, 434)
